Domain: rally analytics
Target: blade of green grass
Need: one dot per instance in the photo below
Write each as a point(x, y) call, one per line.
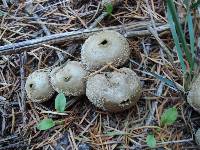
point(191, 33)
point(168, 82)
point(165, 80)
point(1, 13)
point(190, 27)
point(176, 41)
point(180, 33)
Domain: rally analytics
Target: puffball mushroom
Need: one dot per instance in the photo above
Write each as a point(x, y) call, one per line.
point(38, 87)
point(197, 137)
point(69, 79)
point(114, 91)
point(105, 47)
point(193, 97)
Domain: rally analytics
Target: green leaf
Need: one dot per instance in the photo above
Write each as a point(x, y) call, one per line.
point(151, 141)
point(46, 124)
point(60, 102)
point(109, 8)
point(169, 116)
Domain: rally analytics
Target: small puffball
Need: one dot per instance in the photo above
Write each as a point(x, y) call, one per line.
point(105, 47)
point(114, 91)
point(193, 97)
point(197, 137)
point(38, 87)
point(69, 79)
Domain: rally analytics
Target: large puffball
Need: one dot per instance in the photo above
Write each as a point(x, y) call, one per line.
point(114, 91)
point(193, 97)
point(105, 47)
point(69, 79)
point(38, 87)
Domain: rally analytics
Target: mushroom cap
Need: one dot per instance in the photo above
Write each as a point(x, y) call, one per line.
point(69, 79)
point(197, 137)
point(38, 87)
point(193, 96)
point(105, 47)
point(114, 91)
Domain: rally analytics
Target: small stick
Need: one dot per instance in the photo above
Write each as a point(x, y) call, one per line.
point(43, 26)
point(90, 123)
point(22, 75)
point(100, 70)
point(114, 68)
point(164, 47)
point(59, 50)
point(5, 3)
point(132, 29)
point(54, 113)
point(3, 122)
point(98, 20)
point(13, 121)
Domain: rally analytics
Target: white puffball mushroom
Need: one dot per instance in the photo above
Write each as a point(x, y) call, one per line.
point(38, 87)
point(193, 96)
point(197, 137)
point(105, 47)
point(69, 79)
point(114, 91)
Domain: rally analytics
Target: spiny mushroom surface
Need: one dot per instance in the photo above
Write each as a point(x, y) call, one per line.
point(105, 47)
point(69, 79)
point(193, 97)
point(114, 91)
point(38, 87)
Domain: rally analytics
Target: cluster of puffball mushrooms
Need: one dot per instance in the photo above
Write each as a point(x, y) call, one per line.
point(111, 89)
point(114, 90)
